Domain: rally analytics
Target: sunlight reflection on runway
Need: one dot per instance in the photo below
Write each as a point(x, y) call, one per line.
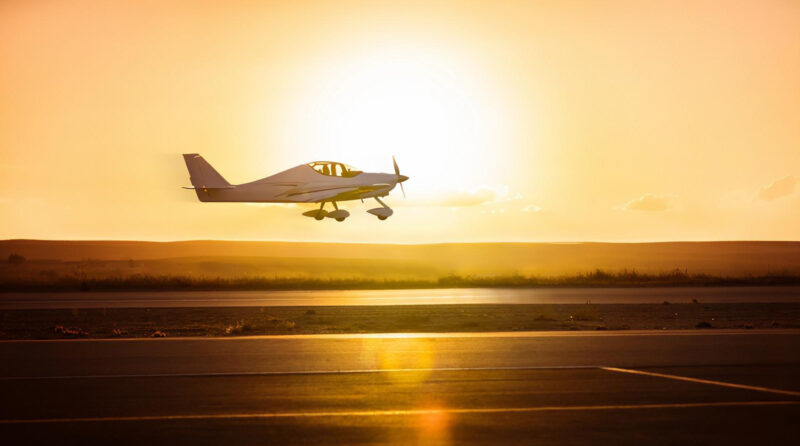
point(406, 353)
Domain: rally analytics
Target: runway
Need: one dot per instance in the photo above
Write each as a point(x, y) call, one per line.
point(727, 387)
point(164, 299)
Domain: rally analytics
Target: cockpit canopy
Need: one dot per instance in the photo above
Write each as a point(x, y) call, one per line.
point(333, 169)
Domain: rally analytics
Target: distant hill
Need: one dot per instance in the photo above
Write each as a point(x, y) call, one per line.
point(719, 258)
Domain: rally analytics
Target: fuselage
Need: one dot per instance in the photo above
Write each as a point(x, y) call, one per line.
point(303, 184)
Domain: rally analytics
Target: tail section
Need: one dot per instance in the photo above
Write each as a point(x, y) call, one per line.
point(202, 175)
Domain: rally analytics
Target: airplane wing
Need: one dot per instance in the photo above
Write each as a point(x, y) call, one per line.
point(338, 193)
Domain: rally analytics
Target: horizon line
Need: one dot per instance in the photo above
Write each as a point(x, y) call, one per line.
point(305, 242)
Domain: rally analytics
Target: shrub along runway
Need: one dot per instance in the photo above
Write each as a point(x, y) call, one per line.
point(723, 387)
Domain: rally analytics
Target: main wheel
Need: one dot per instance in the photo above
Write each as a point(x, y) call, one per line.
point(319, 216)
point(340, 219)
point(382, 217)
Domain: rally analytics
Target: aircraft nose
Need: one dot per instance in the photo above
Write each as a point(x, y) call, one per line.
point(401, 178)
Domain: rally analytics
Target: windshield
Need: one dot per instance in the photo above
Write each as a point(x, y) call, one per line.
point(333, 169)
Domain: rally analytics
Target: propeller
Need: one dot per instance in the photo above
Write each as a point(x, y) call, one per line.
point(400, 178)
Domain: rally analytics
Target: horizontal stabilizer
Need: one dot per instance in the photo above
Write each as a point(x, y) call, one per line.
point(203, 188)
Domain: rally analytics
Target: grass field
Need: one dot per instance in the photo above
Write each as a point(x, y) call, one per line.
point(43, 265)
point(226, 258)
point(95, 276)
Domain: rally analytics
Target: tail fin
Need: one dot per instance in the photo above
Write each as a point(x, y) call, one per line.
point(201, 174)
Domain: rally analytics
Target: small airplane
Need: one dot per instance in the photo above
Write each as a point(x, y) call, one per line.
point(316, 182)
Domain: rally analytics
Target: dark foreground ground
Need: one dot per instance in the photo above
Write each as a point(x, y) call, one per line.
point(244, 321)
point(707, 387)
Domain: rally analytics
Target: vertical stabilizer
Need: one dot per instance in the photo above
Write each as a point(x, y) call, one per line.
point(201, 174)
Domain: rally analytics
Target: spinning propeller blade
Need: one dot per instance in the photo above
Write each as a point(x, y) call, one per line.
point(400, 178)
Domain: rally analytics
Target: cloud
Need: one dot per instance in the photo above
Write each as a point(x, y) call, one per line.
point(650, 202)
point(475, 197)
point(778, 189)
point(479, 196)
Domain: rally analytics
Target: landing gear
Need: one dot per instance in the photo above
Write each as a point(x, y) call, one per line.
point(383, 212)
point(339, 214)
point(317, 214)
point(321, 213)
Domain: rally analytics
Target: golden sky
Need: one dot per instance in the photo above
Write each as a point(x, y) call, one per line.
point(516, 121)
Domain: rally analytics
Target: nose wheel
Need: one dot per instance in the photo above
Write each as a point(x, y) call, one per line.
point(382, 212)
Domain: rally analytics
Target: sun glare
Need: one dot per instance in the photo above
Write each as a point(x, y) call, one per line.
point(429, 108)
point(406, 353)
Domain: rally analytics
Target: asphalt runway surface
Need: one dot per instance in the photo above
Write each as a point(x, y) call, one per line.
point(689, 387)
point(156, 299)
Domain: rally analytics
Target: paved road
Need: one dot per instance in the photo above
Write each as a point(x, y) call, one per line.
point(398, 297)
point(727, 387)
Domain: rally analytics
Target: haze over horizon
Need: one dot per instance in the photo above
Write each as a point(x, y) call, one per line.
point(557, 121)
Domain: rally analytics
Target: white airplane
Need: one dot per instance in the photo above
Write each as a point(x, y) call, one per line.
point(317, 182)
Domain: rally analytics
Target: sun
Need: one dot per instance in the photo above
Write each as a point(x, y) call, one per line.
point(429, 108)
